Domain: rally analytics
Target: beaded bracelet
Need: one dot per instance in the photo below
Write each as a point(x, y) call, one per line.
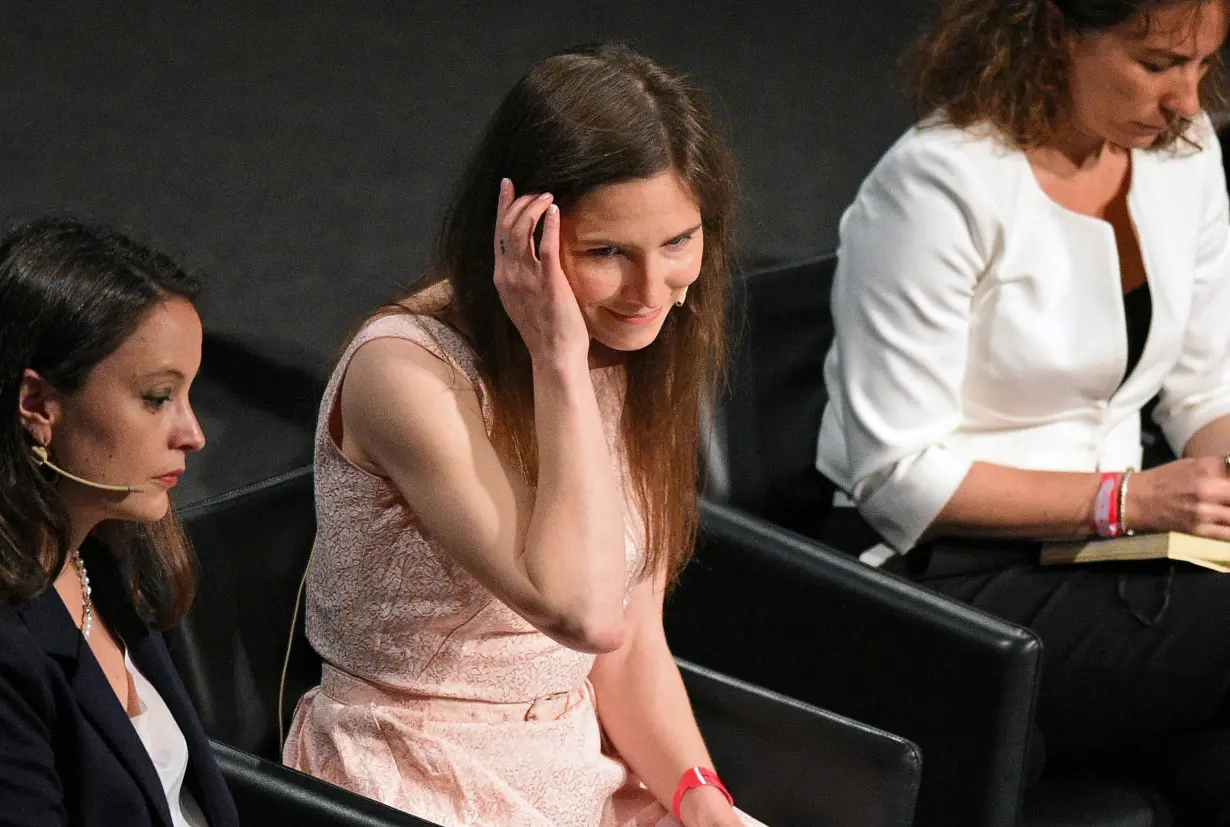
point(1124, 531)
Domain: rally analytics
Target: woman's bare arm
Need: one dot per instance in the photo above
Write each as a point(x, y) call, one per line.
point(645, 711)
point(1213, 440)
point(998, 501)
point(1190, 495)
point(557, 557)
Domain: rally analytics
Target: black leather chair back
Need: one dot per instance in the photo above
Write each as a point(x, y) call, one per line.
point(772, 608)
point(763, 448)
point(791, 763)
point(268, 793)
point(253, 545)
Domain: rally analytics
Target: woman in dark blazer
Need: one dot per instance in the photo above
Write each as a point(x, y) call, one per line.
point(99, 343)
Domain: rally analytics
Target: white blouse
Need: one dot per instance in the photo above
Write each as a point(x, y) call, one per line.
point(977, 319)
point(164, 741)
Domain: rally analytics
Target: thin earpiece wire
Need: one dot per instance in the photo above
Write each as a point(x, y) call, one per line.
point(290, 643)
point(41, 459)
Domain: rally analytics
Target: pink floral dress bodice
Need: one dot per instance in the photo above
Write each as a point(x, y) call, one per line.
point(436, 698)
point(385, 604)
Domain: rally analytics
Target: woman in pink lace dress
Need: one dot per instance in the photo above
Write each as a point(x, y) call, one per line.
point(506, 474)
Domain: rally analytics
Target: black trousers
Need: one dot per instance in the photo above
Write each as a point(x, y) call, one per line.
point(1135, 661)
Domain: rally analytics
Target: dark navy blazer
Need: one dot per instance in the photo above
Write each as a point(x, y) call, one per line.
point(68, 753)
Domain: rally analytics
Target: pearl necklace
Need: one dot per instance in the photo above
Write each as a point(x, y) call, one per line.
point(87, 604)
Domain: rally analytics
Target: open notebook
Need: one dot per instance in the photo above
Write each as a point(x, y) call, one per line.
point(1213, 554)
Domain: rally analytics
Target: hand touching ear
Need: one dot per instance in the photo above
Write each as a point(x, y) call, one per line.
point(533, 288)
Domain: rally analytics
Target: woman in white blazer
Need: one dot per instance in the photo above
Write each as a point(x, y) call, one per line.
point(1025, 269)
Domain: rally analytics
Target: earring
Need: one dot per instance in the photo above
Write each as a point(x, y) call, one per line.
point(682, 297)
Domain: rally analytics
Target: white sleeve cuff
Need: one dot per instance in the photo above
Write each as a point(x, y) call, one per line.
point(1181, 425)
point(905, 504)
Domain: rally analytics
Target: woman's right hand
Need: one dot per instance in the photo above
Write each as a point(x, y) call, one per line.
point(1188, 495)
point(535, 292)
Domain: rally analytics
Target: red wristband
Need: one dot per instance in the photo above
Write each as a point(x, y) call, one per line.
point(698, 777)
point(1106, 506)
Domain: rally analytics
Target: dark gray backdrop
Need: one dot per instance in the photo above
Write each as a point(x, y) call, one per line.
point(299, 154)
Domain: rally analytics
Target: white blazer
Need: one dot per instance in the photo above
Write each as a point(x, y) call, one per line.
point(976, 319)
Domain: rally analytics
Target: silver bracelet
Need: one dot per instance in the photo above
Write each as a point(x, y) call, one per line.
point(1124, 531)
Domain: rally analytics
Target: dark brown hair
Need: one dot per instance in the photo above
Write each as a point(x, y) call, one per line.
point(1002, 63)
point(70, 295)
point(579, 120)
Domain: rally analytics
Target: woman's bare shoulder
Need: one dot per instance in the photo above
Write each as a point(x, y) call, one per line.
point(436, 300)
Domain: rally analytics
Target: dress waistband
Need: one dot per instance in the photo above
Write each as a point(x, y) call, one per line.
point(354, 691)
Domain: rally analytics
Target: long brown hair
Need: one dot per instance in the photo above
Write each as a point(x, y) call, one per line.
point(70, 295)
point(1002, 63)
point(579, 120)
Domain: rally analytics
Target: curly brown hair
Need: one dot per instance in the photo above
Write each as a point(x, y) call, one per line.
point(1002, 63)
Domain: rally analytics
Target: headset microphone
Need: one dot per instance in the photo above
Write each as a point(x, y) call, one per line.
point(41, 459)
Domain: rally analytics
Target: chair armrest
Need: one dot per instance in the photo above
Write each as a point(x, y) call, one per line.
point(252, 545)
point(778, 610)
point(789, 763)
point(269, 793)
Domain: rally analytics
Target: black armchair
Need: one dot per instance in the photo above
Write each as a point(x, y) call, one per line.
point(767, 605)
point(792, 763)
point(253, 545)
point(787, 762)
point(267, 792)
point(777, 609)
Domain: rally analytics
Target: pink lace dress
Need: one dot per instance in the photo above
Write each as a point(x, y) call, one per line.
point(435, 697)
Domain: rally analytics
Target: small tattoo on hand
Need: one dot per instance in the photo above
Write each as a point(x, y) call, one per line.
point(502, 251)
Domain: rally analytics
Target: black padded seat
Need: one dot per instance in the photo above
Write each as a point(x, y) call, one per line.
point(778, 752)
point(769, 606)
point(1094, 802)
point(268, 793)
